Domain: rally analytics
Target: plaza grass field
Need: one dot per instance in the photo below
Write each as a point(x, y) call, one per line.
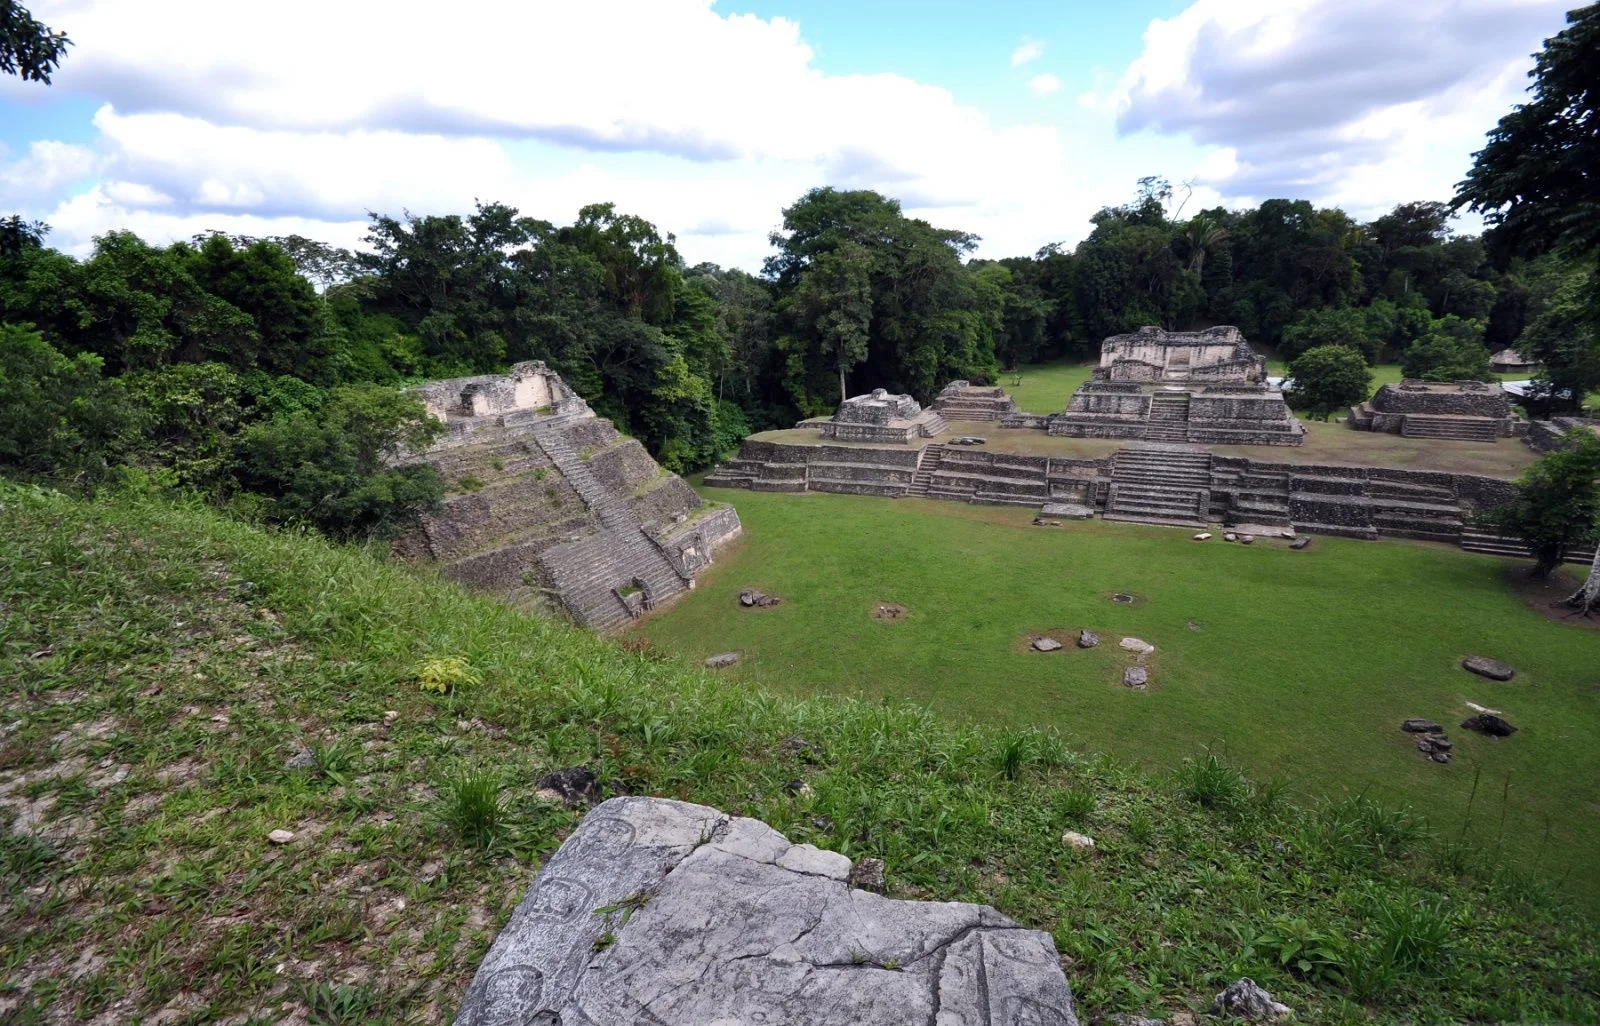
point(1298, 665)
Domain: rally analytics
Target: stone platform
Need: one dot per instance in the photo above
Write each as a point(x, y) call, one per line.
point(662, 913)
point(1473, 411)
point(880, 417)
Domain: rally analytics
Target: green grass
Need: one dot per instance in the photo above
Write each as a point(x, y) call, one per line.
point(1295, 665)
point(161, 664)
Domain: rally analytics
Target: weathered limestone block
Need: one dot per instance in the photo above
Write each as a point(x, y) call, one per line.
point(670, 914)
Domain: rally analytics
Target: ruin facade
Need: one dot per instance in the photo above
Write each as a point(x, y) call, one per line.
point(879, 418)
point(551, 506)
point(1473, 411)
point(1180, 386)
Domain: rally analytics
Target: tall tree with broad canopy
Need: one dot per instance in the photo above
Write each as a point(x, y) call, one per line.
point(1329, 378)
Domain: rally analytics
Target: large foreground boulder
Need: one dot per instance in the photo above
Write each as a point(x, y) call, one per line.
point(664, 913)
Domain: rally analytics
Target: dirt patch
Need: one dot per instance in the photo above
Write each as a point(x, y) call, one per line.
point(1125, 598)
point(1067, 636)
point(889, 612)
point(1546, 597)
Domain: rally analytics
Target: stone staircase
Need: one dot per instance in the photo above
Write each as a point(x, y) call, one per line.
point(1439, 425)
point(927, 463)
point(1492, 543)
point(1169, 418)
point(975, 404)
point(589, 572)
point(1166, 486)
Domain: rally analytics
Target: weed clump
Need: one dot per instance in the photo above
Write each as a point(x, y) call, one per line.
point(1213, 783)
point(443, 675)
point(474, 808)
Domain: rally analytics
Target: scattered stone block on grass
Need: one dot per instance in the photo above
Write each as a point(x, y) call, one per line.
point(1247, 539)
point(1136, 677)
point(1420, 726)
point(1137, 646)
point(1300, 543)
point(664, 913)
point(1203, 536)
point(1246, 999)
point(1490, 724)
point(572, 787)
point(1229, 536)
point(718, 662)
point(1066, 511)
point(1046, 645)
point(1088, 639)
point(750, 598)
point(1483, 666)
point(867, 875)
point(281, 836)
point(1073, 839)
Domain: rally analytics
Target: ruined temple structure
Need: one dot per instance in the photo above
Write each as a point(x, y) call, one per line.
point(1471, 411)
point(551, 506)
point(1180, 386)
point(880, 418)
point(962, 400)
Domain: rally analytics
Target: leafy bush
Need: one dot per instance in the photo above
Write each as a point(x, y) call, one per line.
point(440, 676)
point(192, 412)
point(58, 417)
point(334, 468)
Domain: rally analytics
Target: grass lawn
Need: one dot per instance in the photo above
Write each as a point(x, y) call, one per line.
point(1299, 665)
point(178, 685)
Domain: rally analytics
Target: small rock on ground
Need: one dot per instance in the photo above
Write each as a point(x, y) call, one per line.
point(1488, 723)
point(799, 787)
point(1046, 645)
point(1418, 726)
point(1137, 646)
point(1247, 539)
point(1203, 536)
point(1136, 677)
point(573, 786)
point(1073, 839)
point(1088, 639)
point(1230, 536)
point(1245, 999)
point(1483, 666)
point(867, 875)
point(281, 836)
point(717, 662)
point(751, 598)
point(1300, 543)
point(301, 760)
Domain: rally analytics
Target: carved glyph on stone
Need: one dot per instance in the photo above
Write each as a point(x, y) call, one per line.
point(730, 923)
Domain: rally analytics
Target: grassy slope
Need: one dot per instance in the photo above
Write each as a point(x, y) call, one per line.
point(162, 663)
point(1302, 664)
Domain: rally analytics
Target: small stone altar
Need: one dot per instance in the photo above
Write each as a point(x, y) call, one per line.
point(1205, 387)
point(662, 913)
point(1474, 411)
point(962, 400)
point(880, 418)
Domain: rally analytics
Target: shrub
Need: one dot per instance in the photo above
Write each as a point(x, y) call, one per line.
point(58, 417)
point(440, 676)
point(334, 468)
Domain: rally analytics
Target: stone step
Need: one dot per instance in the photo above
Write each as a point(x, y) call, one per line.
point(1341, 530)
point(1188, 523)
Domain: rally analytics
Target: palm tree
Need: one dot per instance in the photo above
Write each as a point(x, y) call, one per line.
point(1203, 235)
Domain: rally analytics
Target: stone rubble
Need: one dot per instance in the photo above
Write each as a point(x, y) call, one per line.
point(1073, 839)
point(1245, 999)
point(1136, 677)
point(1483, 666)
point(1088, 639)
point(1046, 645)
point(717, 662)
point(572, 787)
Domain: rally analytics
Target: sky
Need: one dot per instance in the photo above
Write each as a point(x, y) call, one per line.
point(1015, 120)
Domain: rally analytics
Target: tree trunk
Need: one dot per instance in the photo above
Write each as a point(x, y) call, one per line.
point(842, 396)
point(1587, 598)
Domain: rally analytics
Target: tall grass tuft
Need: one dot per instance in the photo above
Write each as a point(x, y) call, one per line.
point(1213, 783)
point(473, 807)
point(1413, 935)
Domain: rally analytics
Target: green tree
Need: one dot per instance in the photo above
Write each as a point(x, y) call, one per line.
point(1344, 326)
point(1557, 505)
point(1443, 357)
point(334, 468)
point(1329, 378)
point(1202, 236)
point(28, 49)
point(59, 418)
point(1535, 182)
point(1565, 339)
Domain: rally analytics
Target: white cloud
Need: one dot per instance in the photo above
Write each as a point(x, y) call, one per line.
point(1044, 85)
point(1028, 50)
point(1364, 103)
point(223, 115)
point(44, 169)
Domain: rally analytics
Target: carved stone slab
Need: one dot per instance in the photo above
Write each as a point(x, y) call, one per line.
point(669, 914)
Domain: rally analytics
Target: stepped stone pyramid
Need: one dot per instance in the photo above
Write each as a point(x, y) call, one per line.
point(552, 507)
